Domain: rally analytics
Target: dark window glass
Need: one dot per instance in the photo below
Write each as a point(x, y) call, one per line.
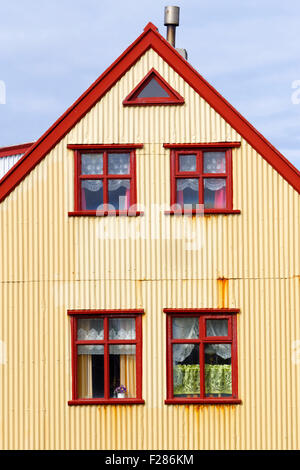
point(122, 370)
point(214, 193)
point(119, 193)
point(153, 90)
point(91, 194)
point(187, 191)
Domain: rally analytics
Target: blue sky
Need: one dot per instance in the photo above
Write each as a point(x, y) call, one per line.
point(249, 50)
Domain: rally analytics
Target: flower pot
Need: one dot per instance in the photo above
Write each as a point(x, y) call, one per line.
point(121, 394)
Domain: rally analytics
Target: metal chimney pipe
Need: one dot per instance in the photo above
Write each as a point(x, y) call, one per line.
point(171, 21)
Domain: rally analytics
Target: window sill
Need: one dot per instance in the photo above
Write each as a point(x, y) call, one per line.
point(206, 212)
point(105, 213)
point(201, 401)
point(112, 401)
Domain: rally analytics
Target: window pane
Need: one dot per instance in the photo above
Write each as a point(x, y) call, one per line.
point(216, 327)
point(122, 328)
point(214, 193)
point(153, 90)
point(119, 194)
point(187, 162)
point(90, 329)
point(187, 191)
point(91, 194)
point(92, 164)
point(214, 162)
point(185, 328)
point(186, 370)
point(119, 163)
point(122, 370)
point(90, 371)
point(218, 381)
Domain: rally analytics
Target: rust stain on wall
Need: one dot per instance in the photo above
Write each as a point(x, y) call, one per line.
point(222, 292)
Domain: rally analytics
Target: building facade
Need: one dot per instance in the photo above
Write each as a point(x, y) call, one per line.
point(195, 313)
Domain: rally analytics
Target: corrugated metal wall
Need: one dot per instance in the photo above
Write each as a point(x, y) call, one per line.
point(51, 262)
point(6, 163)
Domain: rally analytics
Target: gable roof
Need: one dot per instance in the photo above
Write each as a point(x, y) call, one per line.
point(150, 38)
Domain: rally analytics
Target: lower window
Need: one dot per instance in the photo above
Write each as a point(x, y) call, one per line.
point(107, 357)
point(201, 356)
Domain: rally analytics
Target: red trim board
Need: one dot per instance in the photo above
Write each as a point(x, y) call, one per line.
point(14, 150)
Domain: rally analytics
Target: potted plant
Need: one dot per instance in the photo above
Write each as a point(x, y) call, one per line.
point(121, 391)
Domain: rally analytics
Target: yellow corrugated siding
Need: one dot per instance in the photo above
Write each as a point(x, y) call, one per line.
point(51, 262)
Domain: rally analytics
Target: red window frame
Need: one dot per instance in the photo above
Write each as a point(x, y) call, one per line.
point(138, 342)
point(174, 97)
point(203, 314)
point(78, 177)
point(190, 149)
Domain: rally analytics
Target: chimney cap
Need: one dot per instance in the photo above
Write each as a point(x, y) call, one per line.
point(172, 16)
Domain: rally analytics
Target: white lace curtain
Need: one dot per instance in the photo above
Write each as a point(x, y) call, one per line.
point(184, 183)
point(91, 330)
point(118, 164)
point(218, 328)
point(214, 184)
point(113, 185)
point(92, 185)
point(184, 328)
point(188, 328)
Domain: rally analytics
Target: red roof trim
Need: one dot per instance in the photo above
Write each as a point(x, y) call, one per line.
point(150, 38)
point(133, 100)
point(151, 26)
point(14, 149)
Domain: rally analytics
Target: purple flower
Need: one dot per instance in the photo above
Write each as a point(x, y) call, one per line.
point(121, 389)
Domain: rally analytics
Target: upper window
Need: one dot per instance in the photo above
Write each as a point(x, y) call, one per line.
point(202, 177)
point(105, 181)
point(153, 90)
point(106, 357)
point(201, 357)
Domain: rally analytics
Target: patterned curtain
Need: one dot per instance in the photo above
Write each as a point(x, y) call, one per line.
point(186, 379)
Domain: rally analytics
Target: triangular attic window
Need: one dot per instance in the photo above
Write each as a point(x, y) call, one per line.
point(153, 89)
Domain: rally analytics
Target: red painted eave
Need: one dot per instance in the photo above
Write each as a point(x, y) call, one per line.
point(14, 149)
point(150, 38)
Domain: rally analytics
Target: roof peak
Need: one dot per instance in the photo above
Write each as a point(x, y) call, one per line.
point(150, 26)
